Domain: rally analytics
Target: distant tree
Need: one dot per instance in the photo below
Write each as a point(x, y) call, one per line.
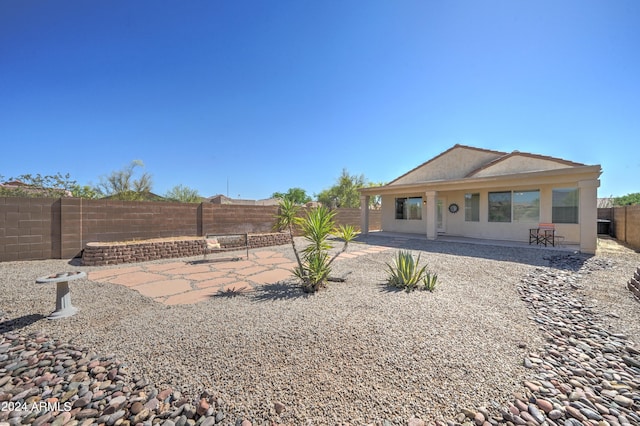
point(84, 191)
point(183, 194)
point(627, 200)
point(29, 185)
point(344, 193)
point(375, 201)
point(121, 185)
point(296, 195)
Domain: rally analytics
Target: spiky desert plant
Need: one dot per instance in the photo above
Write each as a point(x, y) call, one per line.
point(288, 219)
point(405, 272)
point(429, 281)
point(314, 264)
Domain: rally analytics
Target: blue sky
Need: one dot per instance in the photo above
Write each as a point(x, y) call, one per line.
point(269, 95)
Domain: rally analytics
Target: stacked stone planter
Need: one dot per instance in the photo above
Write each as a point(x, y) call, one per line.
point(634, 284)
point(112, 253)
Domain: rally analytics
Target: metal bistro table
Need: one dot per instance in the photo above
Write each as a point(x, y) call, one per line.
point(63, 295)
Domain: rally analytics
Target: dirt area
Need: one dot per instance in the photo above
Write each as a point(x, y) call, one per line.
point(608, 245)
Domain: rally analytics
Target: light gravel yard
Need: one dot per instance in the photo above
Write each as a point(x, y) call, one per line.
point(356, 352)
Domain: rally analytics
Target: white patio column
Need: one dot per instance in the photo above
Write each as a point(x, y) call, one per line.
point(588, 212)
point(364, 214)
point(430, 212)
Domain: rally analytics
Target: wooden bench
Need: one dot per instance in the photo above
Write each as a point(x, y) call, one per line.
point(545, 234)
point(217, 243)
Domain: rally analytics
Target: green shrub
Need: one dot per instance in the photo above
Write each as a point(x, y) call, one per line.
point(406, 273)
point(314, 264)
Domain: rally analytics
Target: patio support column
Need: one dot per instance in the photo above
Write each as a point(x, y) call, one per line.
point(364, 214)
point(430, 211)
point(588, 212)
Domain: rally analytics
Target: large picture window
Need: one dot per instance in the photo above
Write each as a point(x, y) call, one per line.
point(472, 207)
point(409, 208)
point(526, 206)
point(564, 205)
point(500, 206)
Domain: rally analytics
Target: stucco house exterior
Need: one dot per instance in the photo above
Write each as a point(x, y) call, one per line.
point(480, 193)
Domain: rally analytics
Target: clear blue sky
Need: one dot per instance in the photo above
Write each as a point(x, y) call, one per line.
point(269, 95)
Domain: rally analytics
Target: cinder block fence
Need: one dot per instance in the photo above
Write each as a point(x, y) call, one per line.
point(60, 228)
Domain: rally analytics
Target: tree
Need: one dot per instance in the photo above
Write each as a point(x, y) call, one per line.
point(375, 201)
point(627, 200)
point(29, 185)
point(344, 193)
point(84, 191)
point(183, 194)
point(121, 185)
point(297, 195)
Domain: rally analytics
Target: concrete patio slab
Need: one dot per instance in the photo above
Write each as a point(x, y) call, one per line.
point(190, 297)
point(161, 267)
point(238, 264)
point(205, 275)
point(218, 282)
point(108, 273)
point(182, 282)
point(270, 277)
point(136, 278)
point(164, 288)
point(188, 269)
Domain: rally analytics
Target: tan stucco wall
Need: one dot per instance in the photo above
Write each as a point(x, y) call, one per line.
point(390, 223)
point(519, 164)
point(455, 223)
point(456, 164)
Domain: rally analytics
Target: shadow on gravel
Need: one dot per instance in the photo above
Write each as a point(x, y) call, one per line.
point(76, 261)
point(20, 322)
point(535, 256)
point(386, 288)
point(277, 291)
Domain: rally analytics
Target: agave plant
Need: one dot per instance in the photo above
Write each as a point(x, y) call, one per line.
point(406, 273)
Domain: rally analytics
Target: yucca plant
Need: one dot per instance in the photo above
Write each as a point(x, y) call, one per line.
point(406, 273)
point(314, 264)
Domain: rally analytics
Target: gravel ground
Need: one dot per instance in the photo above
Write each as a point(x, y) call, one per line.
point(356, 352)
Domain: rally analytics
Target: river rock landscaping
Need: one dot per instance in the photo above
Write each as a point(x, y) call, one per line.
point(511, 336)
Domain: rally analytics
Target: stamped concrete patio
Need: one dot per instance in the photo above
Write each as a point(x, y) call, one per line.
point(184, 282)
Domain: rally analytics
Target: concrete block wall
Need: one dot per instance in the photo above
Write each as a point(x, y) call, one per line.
point(626, 225)
point(231, 218)
point(29, 229)
point(60, 228)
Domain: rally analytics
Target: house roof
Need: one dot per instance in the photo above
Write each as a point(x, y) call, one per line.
point(462, 163)
point(480, 152)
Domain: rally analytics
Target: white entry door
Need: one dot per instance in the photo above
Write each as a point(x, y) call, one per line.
point(441, 217)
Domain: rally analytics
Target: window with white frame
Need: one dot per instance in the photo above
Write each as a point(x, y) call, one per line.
point(409, 208)
point(472, 207)
point(564, 205)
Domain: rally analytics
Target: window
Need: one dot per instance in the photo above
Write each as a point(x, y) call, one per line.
point(500, 206)
point(564, 205)
point(472, 207)
point(526, 206)
point(409, 208)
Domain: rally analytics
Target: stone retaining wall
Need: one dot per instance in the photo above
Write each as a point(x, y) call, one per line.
point(99, 254)
point(634, 284)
